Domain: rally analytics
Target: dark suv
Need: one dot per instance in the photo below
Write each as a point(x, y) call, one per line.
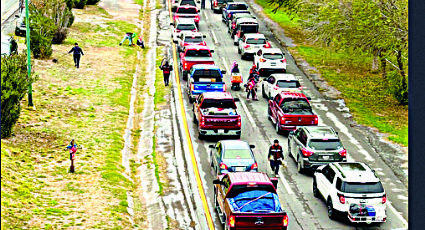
point(313, 146)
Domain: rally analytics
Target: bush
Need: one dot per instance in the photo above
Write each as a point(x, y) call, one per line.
point(79, 4)
point(398, 87)
point(14, 86)
point(42, 30)
point(61, 15)
point(92, 2)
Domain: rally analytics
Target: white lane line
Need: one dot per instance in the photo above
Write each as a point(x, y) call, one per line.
point(397, 214)
point(248, 114)
point(285, 183)
point(225, 64)
point(205, 14)
point(214, 37)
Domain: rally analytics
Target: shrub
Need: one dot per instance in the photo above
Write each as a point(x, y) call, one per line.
point(42, 30)
point(92, 2)
point(14, 86)
point(61, 15)
point(79, 4)
point(398, 87)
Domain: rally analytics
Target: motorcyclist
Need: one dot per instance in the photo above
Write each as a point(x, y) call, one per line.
point(275, 157)
point(235, 68)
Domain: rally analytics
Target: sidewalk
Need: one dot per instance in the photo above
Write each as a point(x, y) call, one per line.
point(9, 7)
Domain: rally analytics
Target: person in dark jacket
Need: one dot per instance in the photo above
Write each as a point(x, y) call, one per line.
point(166, 70)
point(203, 4)
point(77, 54)
point(275, 157)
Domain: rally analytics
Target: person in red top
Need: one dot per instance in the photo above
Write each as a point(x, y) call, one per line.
point(275, 156)
point(166, 70)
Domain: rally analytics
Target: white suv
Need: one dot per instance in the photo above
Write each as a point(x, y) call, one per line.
point(183, 25)
point(270, 60)
point(351, 188)
point(251, 43)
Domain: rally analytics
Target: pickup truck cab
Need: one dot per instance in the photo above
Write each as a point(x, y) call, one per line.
point(216, 114)
point(231, 8)
point(190, 38)
point(288, 110)
point(245, 26)
point(187, 11)
point(251, 43)
point(192, 55)
point(270, 60)
point(248, 200)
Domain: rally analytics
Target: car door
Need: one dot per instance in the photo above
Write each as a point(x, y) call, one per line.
point(223, 191)
point(274, 107)
point(320, 180)
point(218, 157)
point(328, 183)
point(299, 143)
point(271, 82)
point(241, 43)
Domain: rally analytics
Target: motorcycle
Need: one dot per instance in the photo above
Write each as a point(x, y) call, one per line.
point(236, 79)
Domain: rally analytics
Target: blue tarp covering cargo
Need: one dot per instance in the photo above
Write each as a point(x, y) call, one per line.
point(256, 201)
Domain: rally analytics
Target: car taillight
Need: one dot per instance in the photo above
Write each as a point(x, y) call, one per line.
point(341, 198)
point(239, 33)
point(215, 3)
point(300, 88)
point(282, 120)
point(239, 122)
point(185, 65)
point(224, 88)
point(223, 165)
point(197, 18)
point(194, 30)
point(192, 87)
point(229, 15)
point(233, 26)
point(202, 121)
point(285, 220)
point(275, 87)
point(254, 166)
point(316, 120)
point(283, 60)
point(232, 221)
point(178, 31)
point(262, 60)
point(267, 45)
point(204, 43)
point(246, 46)
point(185, 44)
point(306, 152)
point(343, 153)
point(384, 199)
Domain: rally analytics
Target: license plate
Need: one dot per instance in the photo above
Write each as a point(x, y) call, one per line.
point(325, 158)
point(220, 131)
point(273, 63)
point(239, 169)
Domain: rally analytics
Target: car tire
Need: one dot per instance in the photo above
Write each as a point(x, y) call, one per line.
point(315, 190)
point(264, 93)
point(238, 137)
point(300, 168)
point(215, 200)
point(289, 150)
point(201, 136)
point(212, 162)
point(194, 118)
point(278, 130)
point(269, 116)
point(331, 210)
point(191, 99)
point(270, 96)
point(239, 50)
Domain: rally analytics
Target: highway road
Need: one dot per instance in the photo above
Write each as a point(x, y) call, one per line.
point(294, 189)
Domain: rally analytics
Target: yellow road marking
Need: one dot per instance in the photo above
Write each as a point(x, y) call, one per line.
point(186, 129)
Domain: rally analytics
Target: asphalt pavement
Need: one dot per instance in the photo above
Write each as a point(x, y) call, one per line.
point(294, 189)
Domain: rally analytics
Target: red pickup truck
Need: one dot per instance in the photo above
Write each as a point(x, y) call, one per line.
point(215, 113)
point(187, 11)
point(192, 55)
point(248, 200)
point(289, 110)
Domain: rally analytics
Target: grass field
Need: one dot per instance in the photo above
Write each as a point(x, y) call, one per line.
point(365, 92)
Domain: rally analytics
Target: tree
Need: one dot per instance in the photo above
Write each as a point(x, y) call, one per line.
point(14, 86)
point(42, 29)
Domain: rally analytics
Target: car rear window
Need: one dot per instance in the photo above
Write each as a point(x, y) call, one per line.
point(238, 7)
point(295, 105)
point(188, 2)
point(237, 154)
point(222, 103)
point(186, 27)
point(249, 28)
point(193, 39)
point(288, 84)
point(256, 41)
point(273, 56)
point(370, 187)
point(188, 10)
point(320, 144)
point(198, 53)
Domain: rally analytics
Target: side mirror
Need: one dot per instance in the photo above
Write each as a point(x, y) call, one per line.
point(308, 98)
point(211, 146)
point(16, 16)
point(198, 1)
point(254, 17)
point(171, 23)
point(218, 181)
point(336, 133)
point(175, 41)
point(236, 99)
point(211, 51)
point(204, 36)
point(252, 146)
point(223, 72)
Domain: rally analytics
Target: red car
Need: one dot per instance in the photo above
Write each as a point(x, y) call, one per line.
point(288, 110)
point(187, 11)
point(248, 200)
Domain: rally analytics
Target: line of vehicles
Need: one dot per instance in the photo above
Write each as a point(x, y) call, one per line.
point(244, 197)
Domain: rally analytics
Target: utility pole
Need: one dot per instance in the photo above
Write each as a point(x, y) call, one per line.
point(27, 22)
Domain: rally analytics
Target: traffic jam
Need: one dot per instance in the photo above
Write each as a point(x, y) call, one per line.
point(241, 93)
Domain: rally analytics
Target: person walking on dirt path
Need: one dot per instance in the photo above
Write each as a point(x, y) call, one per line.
point(166, 70)
point(275, 157)
point(130, 37)
point(77, 54)
point(72, 150)
point(203, 4)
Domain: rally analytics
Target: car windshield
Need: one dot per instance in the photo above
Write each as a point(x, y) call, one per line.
point(287, 84)
point(238, 7)
point(193, 39)
point(222, 103)
point(256, 41)
point(188, 2)
point(249, 29)
point(188, 10)
point(320, 144)
point(237, 154)
point(273, 56)
point(295, 104)
point(186, 27)
point(357, 187)
point(198, 53)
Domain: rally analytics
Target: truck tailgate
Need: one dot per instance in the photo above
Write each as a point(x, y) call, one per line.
point(299, 120)
point(259, 221)
point(221, 122)
point(202, 87)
